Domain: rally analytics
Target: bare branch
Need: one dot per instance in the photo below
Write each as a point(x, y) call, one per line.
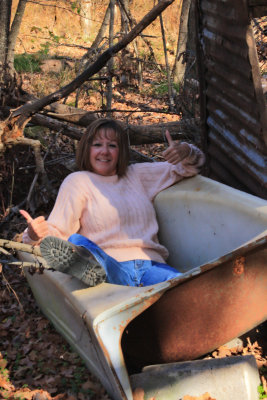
point(27, 248)
point(32, 107)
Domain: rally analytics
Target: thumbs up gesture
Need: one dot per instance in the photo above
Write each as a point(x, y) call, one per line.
point(37, 227)
point(176, 151)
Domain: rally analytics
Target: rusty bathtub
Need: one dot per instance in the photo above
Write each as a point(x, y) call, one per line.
point(217, 236)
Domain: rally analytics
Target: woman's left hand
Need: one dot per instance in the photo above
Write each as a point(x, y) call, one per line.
point(176, 151)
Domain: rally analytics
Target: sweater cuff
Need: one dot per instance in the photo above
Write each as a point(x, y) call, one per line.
point(28, 240)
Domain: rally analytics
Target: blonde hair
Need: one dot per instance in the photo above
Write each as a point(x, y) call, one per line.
point(83, 150)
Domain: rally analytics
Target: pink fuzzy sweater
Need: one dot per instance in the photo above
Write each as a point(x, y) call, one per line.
point(117, 213)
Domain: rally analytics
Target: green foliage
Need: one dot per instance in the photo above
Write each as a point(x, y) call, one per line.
point(4, 376)
point(54, 37)
point(36, 133)
point(262, 394)
point(161, 88)
point(77, 381)
point(27, 62)
point(19, 397)
point(45, 47)
point(71, 103)
point(3, 370)
point(36, 29)
point(75, 6)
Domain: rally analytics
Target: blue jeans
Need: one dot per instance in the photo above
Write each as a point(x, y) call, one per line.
point(128, 273)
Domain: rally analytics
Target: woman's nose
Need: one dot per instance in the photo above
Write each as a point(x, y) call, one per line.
point(105, 149)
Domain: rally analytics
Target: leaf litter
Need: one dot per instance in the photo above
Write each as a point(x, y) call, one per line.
point(36, 363)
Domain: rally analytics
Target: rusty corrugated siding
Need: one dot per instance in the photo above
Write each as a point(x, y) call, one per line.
point(235, 105)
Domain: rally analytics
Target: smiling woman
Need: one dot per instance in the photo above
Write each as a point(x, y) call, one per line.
point(104, 153)
point(103, 226)
point(104, 135)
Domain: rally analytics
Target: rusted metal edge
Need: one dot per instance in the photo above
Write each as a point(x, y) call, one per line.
point(174, 334)
point(239, 252)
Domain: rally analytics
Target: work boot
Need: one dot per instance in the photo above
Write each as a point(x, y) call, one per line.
point(68, 258)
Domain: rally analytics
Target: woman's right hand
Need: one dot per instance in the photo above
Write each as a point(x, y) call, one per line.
point(37, 227)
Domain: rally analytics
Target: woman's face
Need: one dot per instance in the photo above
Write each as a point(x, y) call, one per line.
point(104, 153)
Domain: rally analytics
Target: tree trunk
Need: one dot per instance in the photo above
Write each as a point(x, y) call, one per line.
point(98, 39)
point(7, 45)
point(86, 16)
point(124, 10)
point(14, 33)
point(5, 12)
point(111, 61)
point(171, 101)
point(127, 12)
point(179, 64)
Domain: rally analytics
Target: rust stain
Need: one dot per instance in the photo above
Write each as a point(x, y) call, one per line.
point(163, 334)
point(239, 266)
point(135, 312)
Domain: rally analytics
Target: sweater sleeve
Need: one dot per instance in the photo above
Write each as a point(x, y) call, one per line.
point(160, 175)
point(64, 219)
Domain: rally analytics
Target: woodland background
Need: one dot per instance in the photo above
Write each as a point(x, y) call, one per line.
point(142, 87)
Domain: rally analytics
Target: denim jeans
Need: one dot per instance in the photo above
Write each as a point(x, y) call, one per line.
point(128, 273)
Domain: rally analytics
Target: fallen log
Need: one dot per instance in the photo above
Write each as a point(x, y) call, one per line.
point(70, 114)
point(186, 129)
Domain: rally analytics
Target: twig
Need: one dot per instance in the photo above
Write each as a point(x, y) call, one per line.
point(12, 185)
point(37, 170)
point(31, 189)
point(4, 251)
point(21, 263)
point(11, 212)
point(27, 248)
point(64, 8)
point(50, 162)
point(15, 294)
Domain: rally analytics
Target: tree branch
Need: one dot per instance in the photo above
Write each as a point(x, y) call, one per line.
point(27, 248)
point(31, 108)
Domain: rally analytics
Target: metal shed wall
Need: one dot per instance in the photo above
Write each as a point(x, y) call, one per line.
point(235, 107)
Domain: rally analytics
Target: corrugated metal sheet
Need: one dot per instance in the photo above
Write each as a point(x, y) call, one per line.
point(236, 115)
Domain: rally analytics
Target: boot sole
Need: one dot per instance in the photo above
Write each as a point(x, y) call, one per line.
point(68, 258)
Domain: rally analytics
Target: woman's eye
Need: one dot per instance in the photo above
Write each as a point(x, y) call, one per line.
point(96, 144)
point(114, 146)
